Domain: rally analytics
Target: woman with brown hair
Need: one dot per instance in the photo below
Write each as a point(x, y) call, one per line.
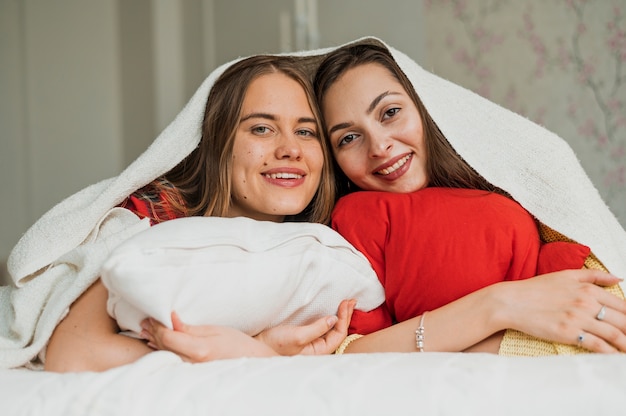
point(443, 239)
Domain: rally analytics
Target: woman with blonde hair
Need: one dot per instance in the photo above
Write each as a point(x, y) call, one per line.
point(256, 152)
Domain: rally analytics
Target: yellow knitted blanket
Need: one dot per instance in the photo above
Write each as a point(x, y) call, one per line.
point(516, 343)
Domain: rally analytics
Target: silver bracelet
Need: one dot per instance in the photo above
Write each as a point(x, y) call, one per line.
point(419, 335)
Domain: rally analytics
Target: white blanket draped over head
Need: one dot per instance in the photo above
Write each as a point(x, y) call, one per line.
point(60, 255)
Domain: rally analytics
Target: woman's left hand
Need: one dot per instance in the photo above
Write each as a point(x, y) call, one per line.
point(323, 336)
point(200, 343)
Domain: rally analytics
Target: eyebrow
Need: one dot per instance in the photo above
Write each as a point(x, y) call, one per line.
point(257, 115)
point(274, 118)
point(369, 110)
point(377, 100)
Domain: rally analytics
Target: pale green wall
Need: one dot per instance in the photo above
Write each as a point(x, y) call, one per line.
point(60, 123)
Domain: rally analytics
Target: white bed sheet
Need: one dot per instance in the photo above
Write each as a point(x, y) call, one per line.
point(364, 384)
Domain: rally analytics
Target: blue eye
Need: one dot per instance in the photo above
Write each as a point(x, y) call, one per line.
point(260, 130)
point(306, 133)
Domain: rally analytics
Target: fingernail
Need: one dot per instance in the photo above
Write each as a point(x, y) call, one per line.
point(332, 320)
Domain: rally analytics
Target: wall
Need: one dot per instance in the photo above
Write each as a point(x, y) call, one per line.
point(60, 100)
point(85, 86)
point(247, 27)
point(560, 63)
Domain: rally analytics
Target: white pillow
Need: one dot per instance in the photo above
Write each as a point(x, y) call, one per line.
point(237, 272)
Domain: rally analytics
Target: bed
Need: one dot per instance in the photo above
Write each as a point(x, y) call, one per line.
point(65, 248)
point(358, 384)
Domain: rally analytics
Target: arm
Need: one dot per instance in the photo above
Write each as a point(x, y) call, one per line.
point(211, 342)
point(87, 338)
point(556, 306)
point(323, 336)
point(200, 343)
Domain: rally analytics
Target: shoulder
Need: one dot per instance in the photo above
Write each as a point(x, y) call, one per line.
point(154, 201)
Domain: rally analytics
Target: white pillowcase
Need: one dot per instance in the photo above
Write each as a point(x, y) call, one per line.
point(237, 272)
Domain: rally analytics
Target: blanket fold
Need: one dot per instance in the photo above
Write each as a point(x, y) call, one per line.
point(31, 312)
point(60, 255)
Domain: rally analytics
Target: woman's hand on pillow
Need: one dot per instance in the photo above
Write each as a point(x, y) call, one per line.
point(202, 343)
point(323, 336)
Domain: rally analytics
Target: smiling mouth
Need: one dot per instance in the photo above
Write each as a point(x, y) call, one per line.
point(283, 175)
point(395, 166)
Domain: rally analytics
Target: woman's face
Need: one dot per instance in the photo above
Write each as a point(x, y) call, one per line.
point(375, 131)
point(277, 156)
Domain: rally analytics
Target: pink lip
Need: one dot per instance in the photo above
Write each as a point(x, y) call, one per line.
point(288, 182)
point(398, 172)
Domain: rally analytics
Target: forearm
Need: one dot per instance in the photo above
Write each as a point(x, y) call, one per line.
point(69, 352)
point(557, 307)
point(454, 327)
point(87, 338)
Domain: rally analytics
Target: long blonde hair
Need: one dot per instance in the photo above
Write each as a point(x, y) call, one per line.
point(203, 178)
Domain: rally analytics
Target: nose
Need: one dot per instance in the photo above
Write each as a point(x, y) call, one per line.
point(288, 147)
point(379, 145)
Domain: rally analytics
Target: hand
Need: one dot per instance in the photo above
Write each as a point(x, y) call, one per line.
point(562, 305)
point(203, 342)
point(320, 337)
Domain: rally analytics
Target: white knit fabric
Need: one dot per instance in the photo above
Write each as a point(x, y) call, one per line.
point(59, 256)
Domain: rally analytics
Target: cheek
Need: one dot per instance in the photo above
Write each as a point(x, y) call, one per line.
point(351, 164)
point(246, 159)
point(416, 131)
point(315, 157)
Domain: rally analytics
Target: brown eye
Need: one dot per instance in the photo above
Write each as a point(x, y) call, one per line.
point(347, 139)
point(391, 112)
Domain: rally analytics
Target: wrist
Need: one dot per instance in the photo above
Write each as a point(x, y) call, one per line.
point(347, 341)
point(498, 305)
point(263, 349)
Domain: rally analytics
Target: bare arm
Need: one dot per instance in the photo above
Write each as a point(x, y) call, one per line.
point(556, 306)
point(88, 340)
point(212, 342)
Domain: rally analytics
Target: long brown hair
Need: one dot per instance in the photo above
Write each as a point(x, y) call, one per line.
point(203, 178)
point(444, 166)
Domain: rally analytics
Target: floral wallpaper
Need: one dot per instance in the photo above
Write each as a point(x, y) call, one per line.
point(561, 63)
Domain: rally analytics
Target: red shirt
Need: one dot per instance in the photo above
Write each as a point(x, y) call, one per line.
point(152, 202)
point(437, 245)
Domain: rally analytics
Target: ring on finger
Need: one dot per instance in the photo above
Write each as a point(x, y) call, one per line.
point(601, 314)
point(580, 339)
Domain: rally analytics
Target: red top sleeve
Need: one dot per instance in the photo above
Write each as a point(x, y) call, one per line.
point(437, 245)
point(152, 201)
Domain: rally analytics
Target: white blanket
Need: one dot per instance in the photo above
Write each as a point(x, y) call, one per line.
point(444, 384)
point(59, 256)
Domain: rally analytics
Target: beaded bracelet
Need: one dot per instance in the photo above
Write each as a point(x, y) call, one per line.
point(347, 342)
point(419, 335)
